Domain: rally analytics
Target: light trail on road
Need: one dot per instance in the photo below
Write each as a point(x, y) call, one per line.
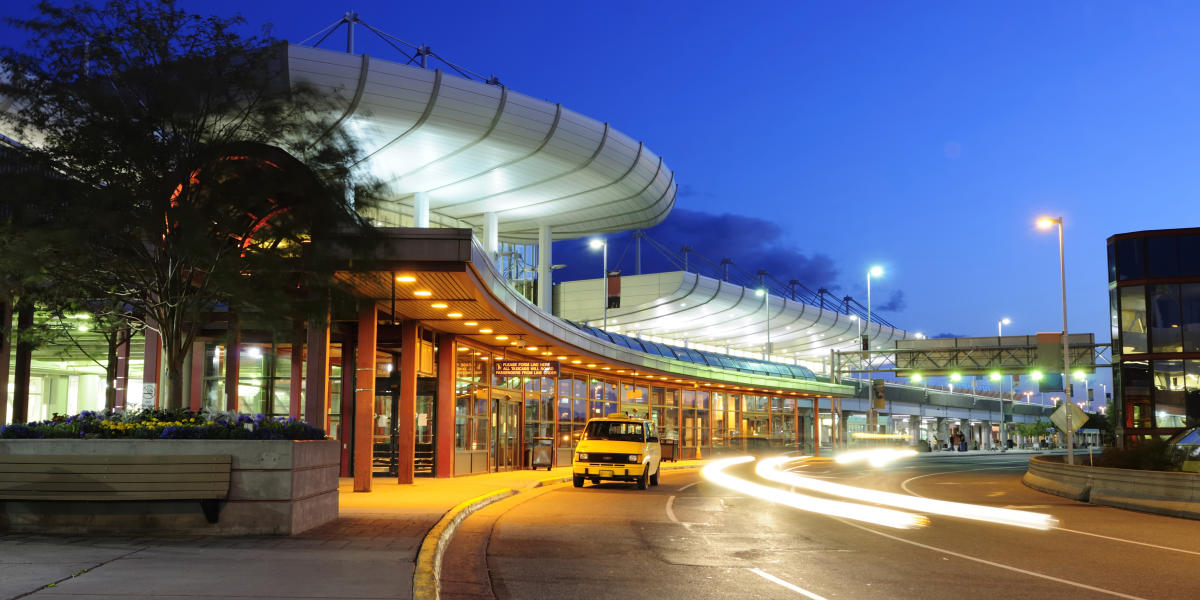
point(714, 472)
point(771, 469)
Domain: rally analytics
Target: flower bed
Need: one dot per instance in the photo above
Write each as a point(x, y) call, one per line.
point(175, 424)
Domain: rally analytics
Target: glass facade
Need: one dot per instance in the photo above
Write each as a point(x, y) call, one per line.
point(1154, 296)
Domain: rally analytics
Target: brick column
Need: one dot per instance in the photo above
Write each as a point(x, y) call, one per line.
point(406, 412)
point(364, 395)
point(443, 428)
point(196, 393)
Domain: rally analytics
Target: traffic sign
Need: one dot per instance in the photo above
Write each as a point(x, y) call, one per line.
point(1078, 417)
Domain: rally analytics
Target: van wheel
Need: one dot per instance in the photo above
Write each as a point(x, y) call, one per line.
point(577, 480)
point(644, 479)
point(654, 477)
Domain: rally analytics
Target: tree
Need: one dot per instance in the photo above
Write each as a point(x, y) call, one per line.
point(202, 177)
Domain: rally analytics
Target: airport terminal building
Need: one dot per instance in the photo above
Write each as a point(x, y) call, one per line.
point(456, 358)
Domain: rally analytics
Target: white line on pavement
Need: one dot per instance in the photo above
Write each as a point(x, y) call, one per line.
point(671, 513)
point(1116, 539)
point(994, 564)
point(794, 588)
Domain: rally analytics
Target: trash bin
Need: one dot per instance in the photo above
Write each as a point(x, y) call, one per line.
point(669, 450)
point(543, 454)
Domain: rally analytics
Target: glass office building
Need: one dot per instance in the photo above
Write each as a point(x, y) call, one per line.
point(1154, 300)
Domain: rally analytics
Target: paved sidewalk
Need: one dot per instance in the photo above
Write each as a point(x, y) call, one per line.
point(369, 552)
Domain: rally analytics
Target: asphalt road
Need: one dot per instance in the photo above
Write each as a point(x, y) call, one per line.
point(690, 538)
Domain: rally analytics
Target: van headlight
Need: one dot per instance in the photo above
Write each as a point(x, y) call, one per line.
point(633, 458)
point(583, 456)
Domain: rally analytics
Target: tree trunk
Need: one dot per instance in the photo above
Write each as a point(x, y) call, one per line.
point(24, 361)
point(5, 338)
point(175, 382)
point(110, 372)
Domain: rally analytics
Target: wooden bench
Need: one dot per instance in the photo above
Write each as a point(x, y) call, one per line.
point(117, 478)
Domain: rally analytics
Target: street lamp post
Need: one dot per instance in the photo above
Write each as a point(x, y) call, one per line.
point(872, 416)
point(596, 244)
point(1003, 421)
point(1046, 223)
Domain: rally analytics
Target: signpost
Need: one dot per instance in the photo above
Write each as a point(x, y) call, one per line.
point(526, 368)
point(1072, 423)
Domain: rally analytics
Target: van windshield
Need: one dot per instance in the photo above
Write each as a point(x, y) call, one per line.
point(624, 431)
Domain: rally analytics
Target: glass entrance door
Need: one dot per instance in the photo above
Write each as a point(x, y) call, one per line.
point(506, 434)
point(385, 456)
point(423, 456)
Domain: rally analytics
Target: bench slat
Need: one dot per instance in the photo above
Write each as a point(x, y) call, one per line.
point(100, 486)
point(111, 477)
point(92, 496)
point(26, 468)
point(114, 459)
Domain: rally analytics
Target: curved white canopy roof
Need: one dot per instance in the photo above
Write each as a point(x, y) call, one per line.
point(476, 148)
point(680, 306)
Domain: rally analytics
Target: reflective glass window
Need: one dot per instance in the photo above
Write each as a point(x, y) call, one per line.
point(1112, 262)
point(1169, 393)
point(1130, 263)
point(1189, 301)
point(1192, 383)
point(1133, 320)
point(1165, 335)
point(1162, 257)
point(1189, 255)
point(1135, 389)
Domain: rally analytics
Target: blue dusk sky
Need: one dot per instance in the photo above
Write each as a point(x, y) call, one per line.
point(815, 139)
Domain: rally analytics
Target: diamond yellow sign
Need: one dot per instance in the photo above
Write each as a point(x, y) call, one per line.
point(1078, 418)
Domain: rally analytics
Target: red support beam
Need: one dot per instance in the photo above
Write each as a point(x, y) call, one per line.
point(443, 426)
point(406, 413)
point(364, 395)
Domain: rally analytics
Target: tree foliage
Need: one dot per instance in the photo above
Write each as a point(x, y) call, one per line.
point(196, 176)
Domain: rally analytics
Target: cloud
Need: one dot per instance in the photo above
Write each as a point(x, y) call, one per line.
point(895, 303)
point(751, 243)
point(688, 190)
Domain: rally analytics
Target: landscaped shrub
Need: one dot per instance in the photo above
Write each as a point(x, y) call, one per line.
point(1150, 455)
point(173, 424)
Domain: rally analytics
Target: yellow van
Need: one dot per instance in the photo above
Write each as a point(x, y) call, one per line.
point(617, 448)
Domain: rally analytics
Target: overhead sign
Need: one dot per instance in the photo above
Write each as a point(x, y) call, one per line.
point(525, 368)
point(1078, 418)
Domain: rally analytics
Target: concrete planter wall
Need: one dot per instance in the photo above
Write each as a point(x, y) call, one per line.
point(1162, 492)
point(276, 487)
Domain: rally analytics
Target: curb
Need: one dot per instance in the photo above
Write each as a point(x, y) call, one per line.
point(427, 575)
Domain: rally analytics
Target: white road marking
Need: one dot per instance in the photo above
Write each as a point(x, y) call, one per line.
point(1115, 539)
point(994, 564)
point(904, 486)
point(671, 502)
point(794, 588)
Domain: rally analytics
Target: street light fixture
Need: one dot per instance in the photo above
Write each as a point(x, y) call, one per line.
point(1047, 223)
point(872, 416)
point(598, 244)
point(1000, 326)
